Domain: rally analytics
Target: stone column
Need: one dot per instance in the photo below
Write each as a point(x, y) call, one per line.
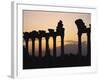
point(62, 41)
point(40, 46)
point(62, 46)
point(27, 44)
point(79, 44)
point(47, 45)
point(88, 43)
point(88, 47)
point(54, 46)
point(33, 47)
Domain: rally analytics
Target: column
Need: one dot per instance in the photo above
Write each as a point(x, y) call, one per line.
point(26, 45)
point(40, 46)
point(54, 46)
point(62, 41)
point(62, 46)
point(47, 46)
point(33, 47)
point(88, 47)
point(79, 44)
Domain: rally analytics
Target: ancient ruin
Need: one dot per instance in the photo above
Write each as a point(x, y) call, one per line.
point(64, 60)
point(41, 33)
point(82, 29)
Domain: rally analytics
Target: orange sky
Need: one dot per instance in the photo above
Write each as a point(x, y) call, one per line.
point(42, 20)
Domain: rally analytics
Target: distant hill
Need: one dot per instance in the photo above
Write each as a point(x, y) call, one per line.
point(70, 48)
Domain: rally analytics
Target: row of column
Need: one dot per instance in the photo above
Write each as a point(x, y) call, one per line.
point(62, 44)
point(47, 46)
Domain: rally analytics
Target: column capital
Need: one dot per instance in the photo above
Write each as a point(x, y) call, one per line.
point(54, 35)
point(33, 38)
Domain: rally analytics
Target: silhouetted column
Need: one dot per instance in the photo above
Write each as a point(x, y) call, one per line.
point(62, 46)
point(40, 46)
point(54, 46)
point(79, 44)
point(62, 41)
point(26, 44)
point(88, 43)
point(33, 46)
point(47, 45)
point(26, 37)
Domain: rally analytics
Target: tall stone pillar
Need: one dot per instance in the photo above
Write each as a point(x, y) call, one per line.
point(33, 47)
point(47, 52)
point(40, 46)
point(62, 46)
point(54, 46)
point(27, 44)
point(79, 44)
point(26, 37)
point(88, 46)
point(88, 43)
point(62, 41)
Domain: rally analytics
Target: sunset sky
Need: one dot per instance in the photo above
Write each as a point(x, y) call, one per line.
point(42, 20)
